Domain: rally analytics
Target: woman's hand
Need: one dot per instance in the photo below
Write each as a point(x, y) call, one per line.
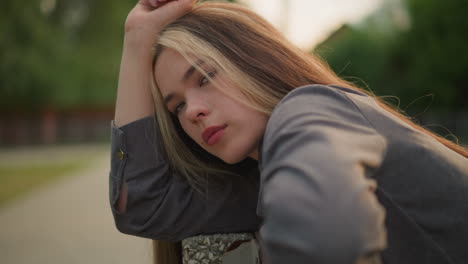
point(148, 18)
point(144, 22)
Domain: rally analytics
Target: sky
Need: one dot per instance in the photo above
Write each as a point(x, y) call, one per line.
point(310, 21)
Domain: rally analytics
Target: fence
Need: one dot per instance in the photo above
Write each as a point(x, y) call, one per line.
point(84, 125)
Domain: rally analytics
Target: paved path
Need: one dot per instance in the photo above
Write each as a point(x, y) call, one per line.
point(68, 221)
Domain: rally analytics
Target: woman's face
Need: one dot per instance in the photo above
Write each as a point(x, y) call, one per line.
point(217, 122)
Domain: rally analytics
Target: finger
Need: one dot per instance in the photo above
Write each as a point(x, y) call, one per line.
point(158, 3)
point(148, 4)
point(171, 10)
point(153, 3)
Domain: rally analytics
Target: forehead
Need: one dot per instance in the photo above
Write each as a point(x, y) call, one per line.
point(172, 69)
point(169, 65)
point(167, 55)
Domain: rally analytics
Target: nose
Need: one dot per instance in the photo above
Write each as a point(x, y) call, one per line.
point(197, 109)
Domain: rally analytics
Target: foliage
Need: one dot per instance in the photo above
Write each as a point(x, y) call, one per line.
point(429, 57)
point(60, 53)
point(66, 57)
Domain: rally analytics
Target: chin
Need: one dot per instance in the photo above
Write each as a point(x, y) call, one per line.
point(233, 160)
point(235, 151)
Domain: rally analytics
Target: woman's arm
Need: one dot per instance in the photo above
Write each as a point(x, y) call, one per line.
point(134, 96)
point(317, 194)
point(146, 199)
point(143, 24)
point(162, 205)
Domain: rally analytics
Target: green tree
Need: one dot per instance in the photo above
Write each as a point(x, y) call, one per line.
point(64, 56)
point(432, 54)
point(26, 55)
point(60, 53)
point(428, 57)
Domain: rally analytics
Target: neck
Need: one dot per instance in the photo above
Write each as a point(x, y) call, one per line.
point(254, 155)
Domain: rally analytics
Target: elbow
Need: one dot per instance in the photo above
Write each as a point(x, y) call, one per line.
point(127, 223)
point(123, 227)
point(331, 234)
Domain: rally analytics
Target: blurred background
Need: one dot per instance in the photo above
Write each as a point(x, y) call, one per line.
point(60, 59)
point(411, 52)
point(59, 62)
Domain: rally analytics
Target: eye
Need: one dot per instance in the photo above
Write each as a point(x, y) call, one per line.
point(204, 80)
point(178, 108)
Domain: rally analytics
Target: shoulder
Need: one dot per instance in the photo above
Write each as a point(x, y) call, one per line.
point(322, 116)
point(317, 98)
point(317, 102)
point(320, 90)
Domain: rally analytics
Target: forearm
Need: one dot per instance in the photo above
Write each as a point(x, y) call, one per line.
point(134, 97)
point(142, 26)
point(160, 203)
point(318, 197)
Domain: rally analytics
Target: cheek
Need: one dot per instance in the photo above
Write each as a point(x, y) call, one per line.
point(189, 129)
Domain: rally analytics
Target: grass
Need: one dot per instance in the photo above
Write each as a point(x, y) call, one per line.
point(20, 179)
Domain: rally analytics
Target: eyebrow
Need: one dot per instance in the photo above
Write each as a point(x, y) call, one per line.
point(191, 70)
point(186, 76)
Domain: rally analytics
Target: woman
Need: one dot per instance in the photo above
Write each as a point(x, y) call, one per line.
point(148, 199)
point(343, 176)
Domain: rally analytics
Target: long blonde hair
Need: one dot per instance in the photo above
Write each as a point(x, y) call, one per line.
point(258, 59)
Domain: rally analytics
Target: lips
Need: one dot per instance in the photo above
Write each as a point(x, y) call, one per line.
point(212, 134)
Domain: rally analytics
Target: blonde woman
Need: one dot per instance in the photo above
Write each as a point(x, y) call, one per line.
point(148, 198)
point(344, 178)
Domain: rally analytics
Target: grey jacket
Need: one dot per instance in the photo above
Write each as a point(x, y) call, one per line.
point(340, 178)
point(160, 204)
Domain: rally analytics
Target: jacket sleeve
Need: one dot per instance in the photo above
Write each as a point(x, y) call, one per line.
point(163, 206)
point(316, 193)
